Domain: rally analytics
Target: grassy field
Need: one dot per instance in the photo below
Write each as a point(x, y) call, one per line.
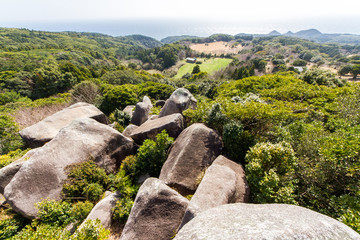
point(208, 65)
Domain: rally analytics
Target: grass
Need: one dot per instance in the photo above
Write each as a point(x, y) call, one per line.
point(208, 65)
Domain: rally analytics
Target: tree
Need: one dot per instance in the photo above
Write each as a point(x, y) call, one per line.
point(355, 70)
point(196, 69)
point(344, 70)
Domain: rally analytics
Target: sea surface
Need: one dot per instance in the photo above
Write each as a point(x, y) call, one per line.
point(161, 28)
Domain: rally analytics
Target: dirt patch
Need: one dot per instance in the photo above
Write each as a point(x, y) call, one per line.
point(217, 48)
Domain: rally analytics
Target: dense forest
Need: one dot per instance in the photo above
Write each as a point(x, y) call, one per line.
point(295, 132)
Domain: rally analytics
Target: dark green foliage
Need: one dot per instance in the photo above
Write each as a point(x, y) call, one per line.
point(236, 141)
point(85, 181)
point(122, 209)
point(152, 154)
point(216, 119)
point(355, 70)
point(118, 97)
point(156, 90)
point(55, 213)
point(9, 137)
point(122, 77)
point(299, 62)
point(196, 69)
point(122, 118)
point(9, 227)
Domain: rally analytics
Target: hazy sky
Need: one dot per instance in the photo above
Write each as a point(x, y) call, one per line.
point(340, 16)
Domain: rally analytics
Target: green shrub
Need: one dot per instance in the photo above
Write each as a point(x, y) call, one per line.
point(11, 156)
point(216, 119)
point(270, 172)
point(92, 230)
point(41, 232)
point(11, 226)
point(122, 118)
point(322, 77)
point(152, 154)
point(80, 210)
point(93, 192)
point(10, 140)
point(85, 181)
point(53, 212)
point(85, 91)
point(236, 141)
point(156, 90)
point(122, 209)
point(118, 97)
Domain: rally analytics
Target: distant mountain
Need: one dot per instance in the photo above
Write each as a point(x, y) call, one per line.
point(173, 39)
point(313, 35)
point(310, 33)
point(145, 41)
point(274, 33)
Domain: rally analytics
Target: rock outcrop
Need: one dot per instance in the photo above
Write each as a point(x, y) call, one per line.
point(173, 124)
point(129, 110)
point(103, 210)
point(9, 171)
point(180, 100)
point(42, 176)
point(45, 130)
point(263, 221)
point(156, 213)
point(129, 129)
point(224, 182)
point(142, 111)
point(193, 151)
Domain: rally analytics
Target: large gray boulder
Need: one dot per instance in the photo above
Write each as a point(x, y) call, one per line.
point(129, 109)
point(173, 124)
point(129, 129)
point(103, 210)
point(180, 100)
point(42, 176)
point(193, 151)
point(142, 111)
point(45, 130)
point(156, 213)
point(9, 171)
point(224, 182)
point(263, 221)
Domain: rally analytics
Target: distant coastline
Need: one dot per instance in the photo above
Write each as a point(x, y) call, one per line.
point(160, 28)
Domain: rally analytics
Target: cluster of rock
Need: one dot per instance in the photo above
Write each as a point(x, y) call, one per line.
point(217, 209)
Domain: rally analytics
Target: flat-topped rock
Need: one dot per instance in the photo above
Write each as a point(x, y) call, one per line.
point(173, 124)
point(193, 151)
point(264, 221)
point(45, 130)
point(156, 213)
point(42, 176)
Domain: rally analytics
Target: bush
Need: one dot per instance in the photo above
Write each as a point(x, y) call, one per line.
point(85, 181)
point(156, 90)
point(122, 118)
point(122, 209)
point(299, 62)
point(270, 172)
point(10, 140)
point(54, 213)
point(236, 141)
point(11, 226)
point(118, 97)
point(92, 230)
point(216, 119)
point(152, 154)
point(322, 77)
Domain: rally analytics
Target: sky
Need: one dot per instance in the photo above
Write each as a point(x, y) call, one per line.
point(259, 16)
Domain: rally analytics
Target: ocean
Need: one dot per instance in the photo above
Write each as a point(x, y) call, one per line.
point(161, 28)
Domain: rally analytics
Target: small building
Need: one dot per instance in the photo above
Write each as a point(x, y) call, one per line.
point(191, 60)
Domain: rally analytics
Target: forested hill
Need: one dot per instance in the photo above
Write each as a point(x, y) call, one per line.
point(23, 40)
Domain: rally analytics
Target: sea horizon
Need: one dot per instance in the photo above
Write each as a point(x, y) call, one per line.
point(161, 28)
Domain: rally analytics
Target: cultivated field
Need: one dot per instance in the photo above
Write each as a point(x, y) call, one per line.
point(217, 48)
point(208, 65)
